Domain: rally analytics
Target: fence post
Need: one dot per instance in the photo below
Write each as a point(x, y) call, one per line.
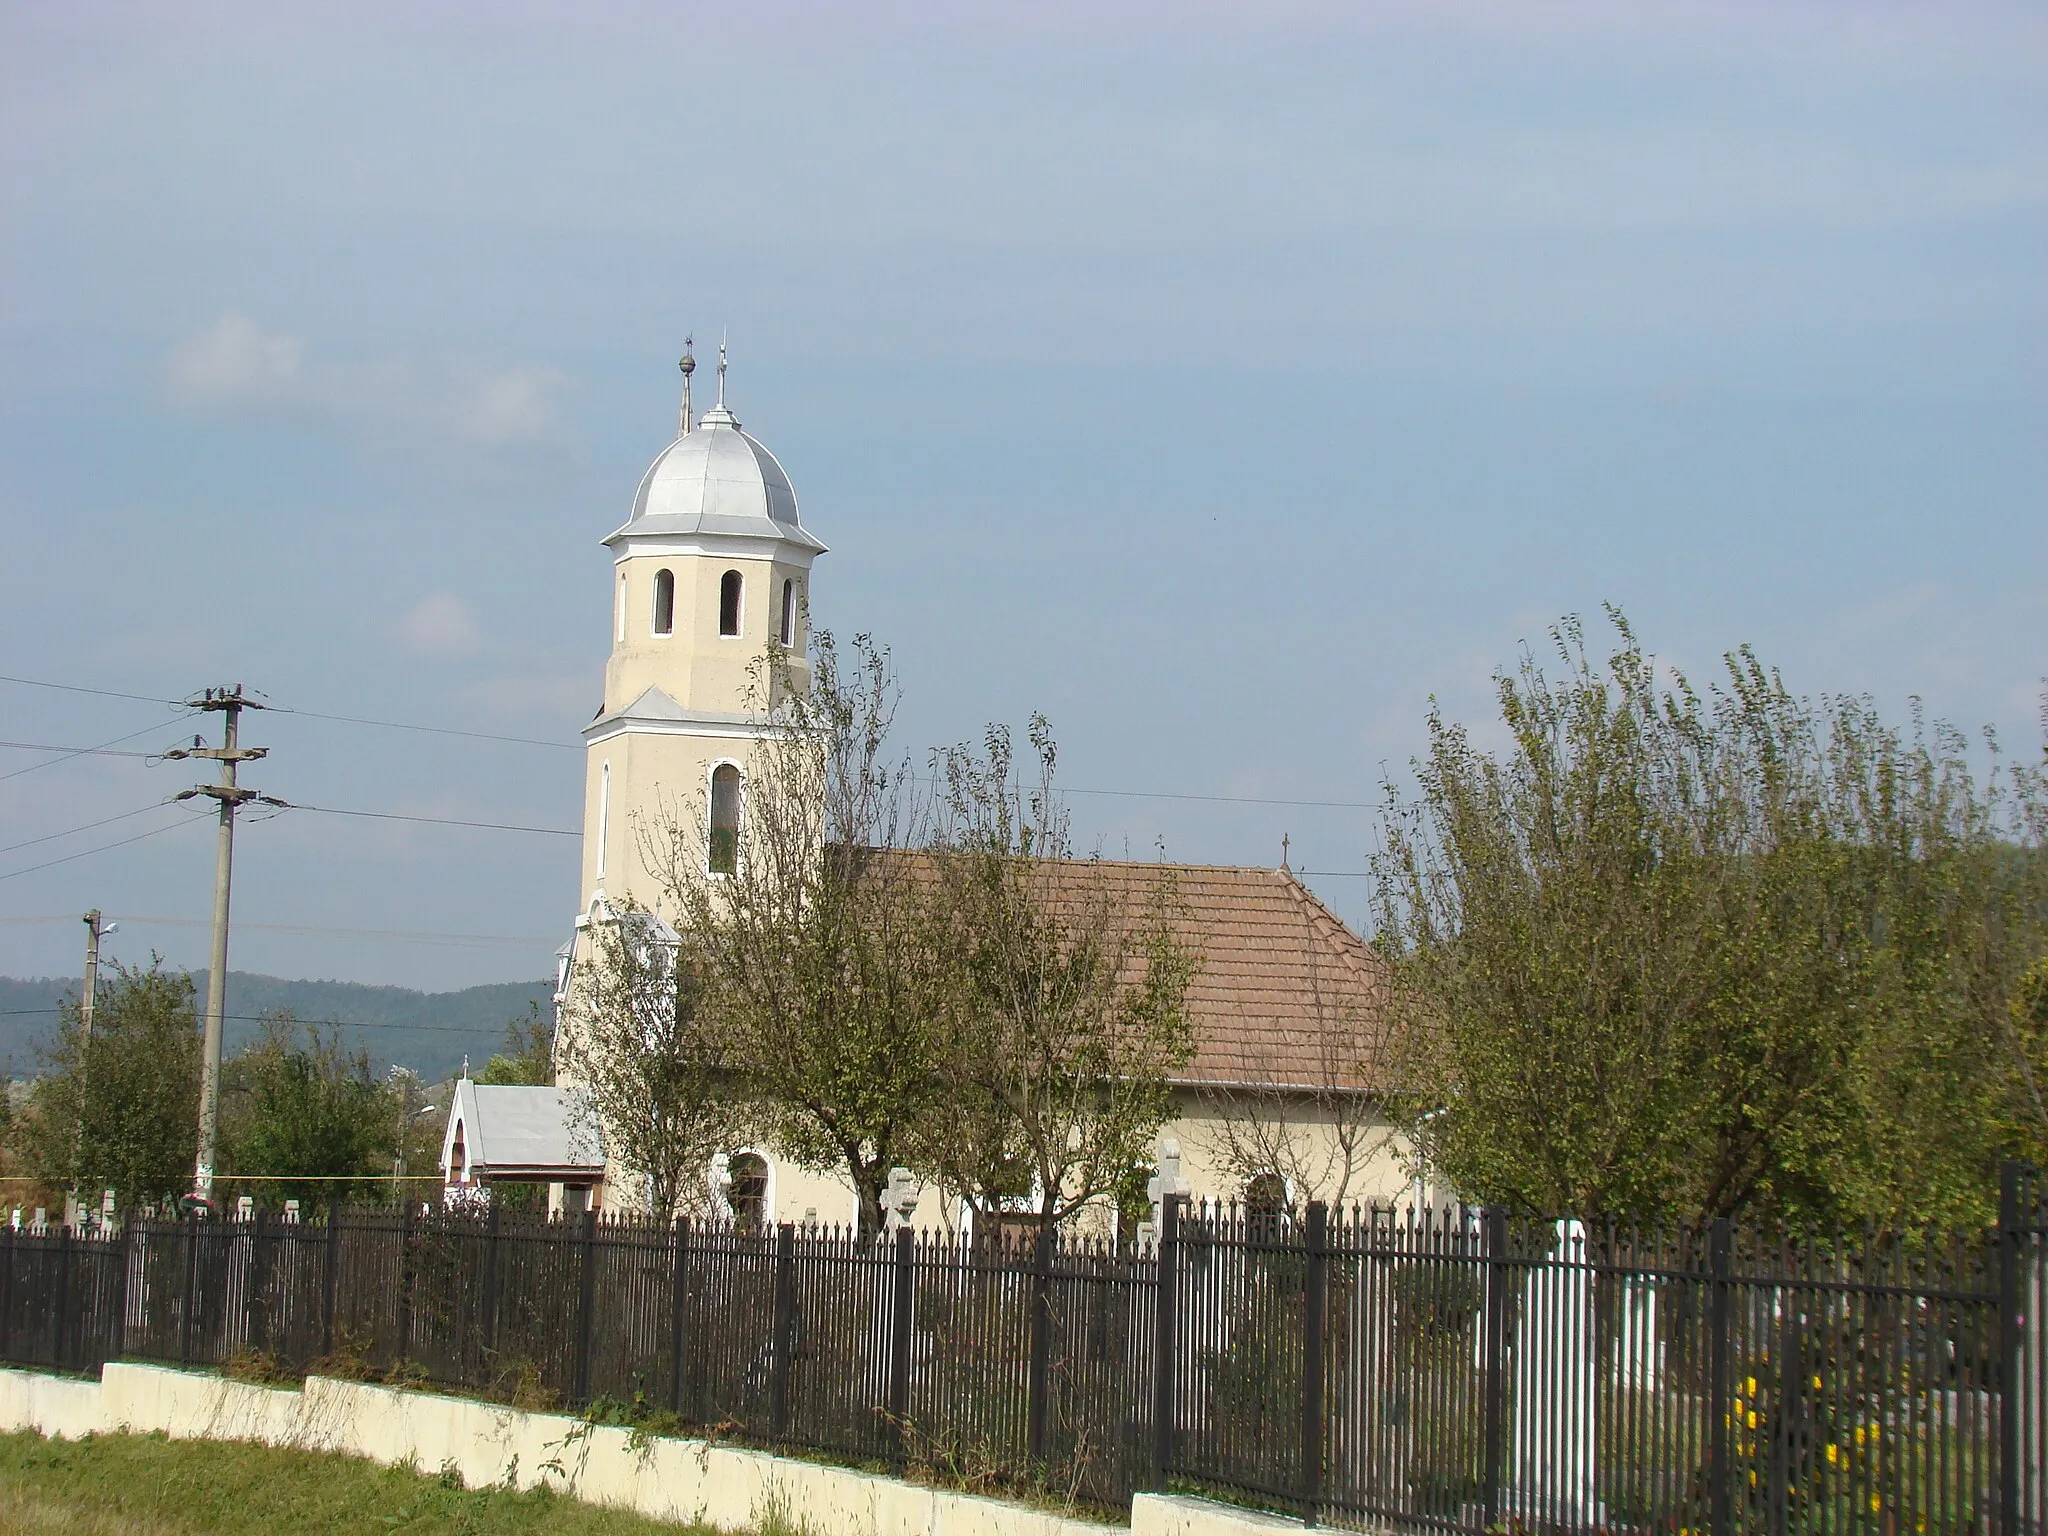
point(2011, 1355)
point(1167, 1263)
point(404, 1280)
point(1721, 1243)
point(329, 1280)
point(256, 1285)
point(1493, 1228)
point(119, 1332)
point(785, 1327)
point(586, 1304)
point(191, 1287)
point(7, 1298)
point(902, 1277)
point(63, 1295)
point(678, 1314)
point(1041, 1343)
point(490, 1301)
point(1315, 1310)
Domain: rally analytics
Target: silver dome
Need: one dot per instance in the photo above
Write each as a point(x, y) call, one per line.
point(717, 479)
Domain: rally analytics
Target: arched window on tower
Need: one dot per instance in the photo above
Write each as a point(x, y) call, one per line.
point(725, 819)
point(664, 602)
point(729, 603)
point(789, 613)
point(748, 1194)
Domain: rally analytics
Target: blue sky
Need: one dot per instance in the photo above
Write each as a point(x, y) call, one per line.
point(1224, 381)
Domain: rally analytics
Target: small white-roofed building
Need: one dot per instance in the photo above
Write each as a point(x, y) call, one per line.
point(517, 1135)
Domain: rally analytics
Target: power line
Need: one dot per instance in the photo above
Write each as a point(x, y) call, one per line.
point(537, 741)
point(260, 1018)
point(438, 821)
point(71, 752)
point(104, 693)
point(37, 746)
point(330, 1178)
point(1160, 794)
point(310, 714)
point(13, 874)
point(74, 831)
point(434, 730)
point(423, 937)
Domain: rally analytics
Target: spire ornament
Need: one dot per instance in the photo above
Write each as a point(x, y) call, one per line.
point(689, 366)
point(721, 370)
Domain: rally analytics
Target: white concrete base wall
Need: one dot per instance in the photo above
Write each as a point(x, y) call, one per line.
point(1166, 1514)
point(683, 1480)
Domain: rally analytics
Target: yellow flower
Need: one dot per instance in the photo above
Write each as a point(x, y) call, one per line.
point(1876, 1503)
point(1873, 1431)
point(1752, 1479)
point(1749, 1386)
point(1834, 1454)
point(1752, 1419)
point(1859, 1434)
point(1816, 1383)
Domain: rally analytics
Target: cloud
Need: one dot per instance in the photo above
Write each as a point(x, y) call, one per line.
point(236, 363)
point(236, 367)
point(441, 624)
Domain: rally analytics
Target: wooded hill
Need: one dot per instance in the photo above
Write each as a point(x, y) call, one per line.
point(429, 1032)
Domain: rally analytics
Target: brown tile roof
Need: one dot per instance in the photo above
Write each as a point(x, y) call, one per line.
point(1283, 995)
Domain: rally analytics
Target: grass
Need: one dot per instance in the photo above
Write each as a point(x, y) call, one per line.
point(146, 1485)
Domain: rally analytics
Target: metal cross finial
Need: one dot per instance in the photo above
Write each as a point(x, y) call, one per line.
point(721, 368)
point(1283, 850)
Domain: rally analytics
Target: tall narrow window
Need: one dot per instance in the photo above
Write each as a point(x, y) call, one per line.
point(619, 619)
point(789, 613)
point(729, 603)
point(604, 814)
point(725, 819)
point(748, 1194)
point(664, 602)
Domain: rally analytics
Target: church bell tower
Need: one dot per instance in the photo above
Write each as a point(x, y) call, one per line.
point(711, 567)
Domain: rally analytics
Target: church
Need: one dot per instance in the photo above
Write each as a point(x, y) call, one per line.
point(1278, 1102)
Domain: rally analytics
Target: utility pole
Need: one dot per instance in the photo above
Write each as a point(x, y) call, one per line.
point(95, 930)
point(230, 797)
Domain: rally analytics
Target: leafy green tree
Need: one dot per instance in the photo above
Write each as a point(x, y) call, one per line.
point(305, 1117)
point(805, 947)
point(1700, 952)
point(119, 1110)
point(528, 1059)
point(1061, 1001)
point(651, 1058)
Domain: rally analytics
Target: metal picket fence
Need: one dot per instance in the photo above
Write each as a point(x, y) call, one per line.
point(1460, 1371)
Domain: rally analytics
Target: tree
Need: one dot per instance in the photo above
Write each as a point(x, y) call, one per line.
point(120, 1110)
point(1700, 953)
point(306, 1117)
point(528, 1059)
point(650, 1057)
point(807, 944)
point(1061, 997)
